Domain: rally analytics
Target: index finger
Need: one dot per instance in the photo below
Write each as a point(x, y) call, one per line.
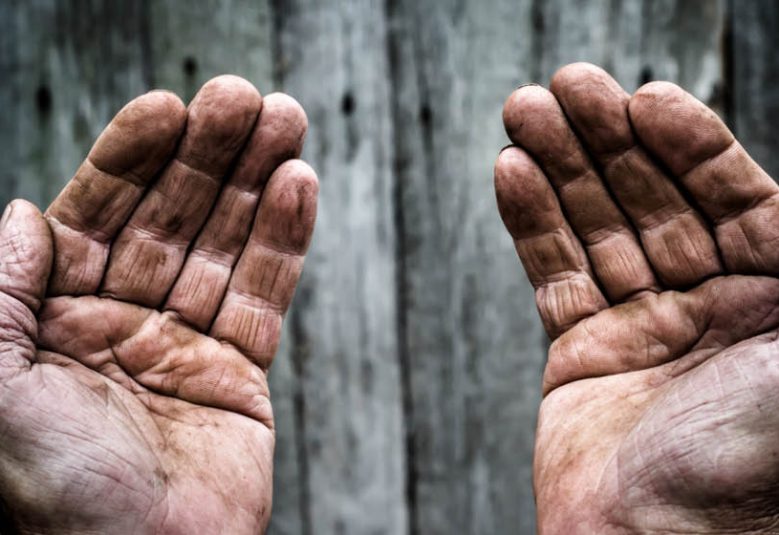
point(97, 201)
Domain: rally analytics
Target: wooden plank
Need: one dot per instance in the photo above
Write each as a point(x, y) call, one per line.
point(67, 68)
point(755, 71)
point(193, 41)
point(637, 41)
point(682, 42)
point(608, 34)
point(10, 150)
point(473, 347)
point(332, 58)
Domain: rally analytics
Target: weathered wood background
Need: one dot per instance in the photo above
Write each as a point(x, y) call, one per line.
point(408, 381)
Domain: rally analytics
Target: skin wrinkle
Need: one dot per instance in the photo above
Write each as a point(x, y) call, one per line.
point(128, 175)
point(138, 431)
point(631, 176)
point(750, 248)
point(281, 117)
point(732, 144)
point(681, 436)
point(113, 344)
point(579, 189)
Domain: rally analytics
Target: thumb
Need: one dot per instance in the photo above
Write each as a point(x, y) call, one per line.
point(25, 262)
point(25, 254)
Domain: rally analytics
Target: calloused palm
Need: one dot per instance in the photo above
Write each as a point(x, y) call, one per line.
point(133, 391)
point(652, 240)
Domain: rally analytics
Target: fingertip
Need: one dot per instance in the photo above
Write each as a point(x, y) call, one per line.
point(22, 206)
point(515, 171)
point(141, 136)
point(229, 88)
point(666, 118)
point(300, 172)
point(302, 179)
point(288, 109)
point(162, 103)
point(576, 73)
point(651, 97)
point(159, 113)
point(526, 107)
point(506, 188)
point(526, 202)
point(659, 89)
point(219, 120)
point(596, 105)
point(506, 165)
point(25, 253)
point(289, 206)
point(24, 213)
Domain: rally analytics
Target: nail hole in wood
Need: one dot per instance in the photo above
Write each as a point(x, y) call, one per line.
point(189, 66)
point(43, 99)
point(347, 104)
point(425, 115)
point(646, 75)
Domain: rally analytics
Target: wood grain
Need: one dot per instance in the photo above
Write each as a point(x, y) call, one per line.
point(755, 71)
point(406, 387)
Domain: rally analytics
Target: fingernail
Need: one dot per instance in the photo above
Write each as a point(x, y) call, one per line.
point(6, 215)
point(528, 84)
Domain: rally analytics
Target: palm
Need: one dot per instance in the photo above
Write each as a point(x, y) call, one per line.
point(686, 437)
point(660, 407)
point(144, 406)
point(155, 459)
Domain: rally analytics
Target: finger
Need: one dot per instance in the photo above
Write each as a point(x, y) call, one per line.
point(737, 196)
point(267, 272)
point(554, 260)
point(148, 253)
point(675, 238)
point(25, 254)
point(89, 212)
point(277, 137)
point(660, 328)
point(535, 122)
point(184, 364)
point(25, 262)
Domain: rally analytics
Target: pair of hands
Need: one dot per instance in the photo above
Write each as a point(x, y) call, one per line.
point(139, 317)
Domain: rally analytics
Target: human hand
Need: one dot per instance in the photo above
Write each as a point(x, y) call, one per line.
point(134, 389)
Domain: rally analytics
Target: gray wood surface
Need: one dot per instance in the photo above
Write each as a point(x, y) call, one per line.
point(471, 345)
point(343, 325)
point(755, 71)
point(407, 383)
